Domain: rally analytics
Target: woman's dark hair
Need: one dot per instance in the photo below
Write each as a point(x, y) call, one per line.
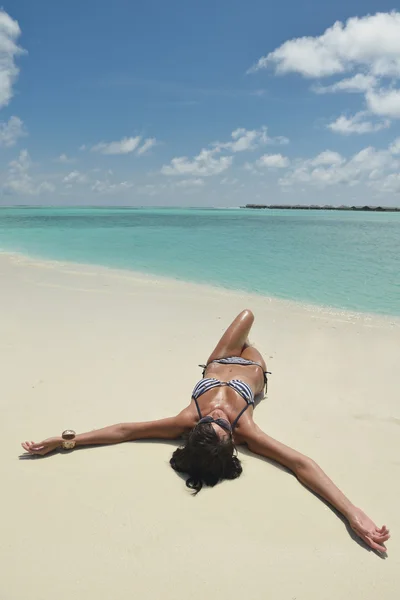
point(206, 458)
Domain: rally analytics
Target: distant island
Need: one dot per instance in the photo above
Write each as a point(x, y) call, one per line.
point(326, 207)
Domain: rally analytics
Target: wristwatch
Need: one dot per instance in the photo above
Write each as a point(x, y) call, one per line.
point(68, 437)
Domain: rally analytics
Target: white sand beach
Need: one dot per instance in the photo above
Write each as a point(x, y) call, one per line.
point(83, 347)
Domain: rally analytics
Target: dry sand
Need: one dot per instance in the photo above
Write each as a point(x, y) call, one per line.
point(85, 347)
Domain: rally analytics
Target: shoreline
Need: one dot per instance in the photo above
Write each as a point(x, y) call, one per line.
point(96, 270)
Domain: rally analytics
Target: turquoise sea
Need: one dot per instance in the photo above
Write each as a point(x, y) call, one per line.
point(338, 259)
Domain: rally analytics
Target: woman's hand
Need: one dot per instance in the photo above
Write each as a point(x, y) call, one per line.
point(44, 447)
point(366, 529)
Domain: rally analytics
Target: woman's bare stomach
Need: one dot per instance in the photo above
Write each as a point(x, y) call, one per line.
point(250, 374)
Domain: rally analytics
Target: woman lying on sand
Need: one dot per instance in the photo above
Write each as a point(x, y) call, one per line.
point(218, 418)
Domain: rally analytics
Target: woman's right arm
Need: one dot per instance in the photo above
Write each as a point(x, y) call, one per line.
point(170, 428)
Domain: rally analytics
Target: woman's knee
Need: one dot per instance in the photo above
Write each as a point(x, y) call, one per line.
point(247, 315)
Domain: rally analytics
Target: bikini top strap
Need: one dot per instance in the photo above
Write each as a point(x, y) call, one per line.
point(235, 422)
point(198, 407)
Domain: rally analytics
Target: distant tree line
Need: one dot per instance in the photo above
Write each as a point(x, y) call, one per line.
point(325, 207)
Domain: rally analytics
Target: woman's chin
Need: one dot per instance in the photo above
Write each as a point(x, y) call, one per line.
point(219, 414)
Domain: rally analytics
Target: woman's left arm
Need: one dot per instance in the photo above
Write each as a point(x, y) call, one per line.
point(312, 476)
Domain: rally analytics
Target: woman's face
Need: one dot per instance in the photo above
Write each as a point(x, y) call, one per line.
point(220, 431)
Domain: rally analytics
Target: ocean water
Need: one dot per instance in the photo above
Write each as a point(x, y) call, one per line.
point(337, 259)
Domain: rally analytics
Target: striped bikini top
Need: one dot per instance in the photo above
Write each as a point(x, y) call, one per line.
point(240, 387)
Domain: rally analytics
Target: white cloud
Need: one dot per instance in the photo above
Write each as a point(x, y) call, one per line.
point(369, 45)
point(328, 157)
point(22, 163)
point(369, 159)
point(357, 83)
point(371, 42)
point(64, 159)
point(358, 123)
point(187, 183)
point(390, 184)
point(124, 146)
point(204, 164)
point(277, 161)
point(244, 140)
point(11, 131)
point(251, 168)
point(9, 50)
point(147, 145)
point(394, 147)
point(98, 186)
point(45, 186)
point(280, 139)
point(384, 102)
point(107, 187)
point(19, 180)
point(75, 177)
point(329, 169)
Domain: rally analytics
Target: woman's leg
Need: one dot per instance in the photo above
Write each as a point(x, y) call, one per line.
point(234, 339)
point(251, 353)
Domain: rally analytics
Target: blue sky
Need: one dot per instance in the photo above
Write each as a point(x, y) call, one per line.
point(199, 104)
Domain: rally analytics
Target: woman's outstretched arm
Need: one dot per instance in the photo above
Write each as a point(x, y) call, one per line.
point(170, 428)
point(312, 476)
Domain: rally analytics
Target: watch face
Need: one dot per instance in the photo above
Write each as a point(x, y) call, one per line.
point(68, 434)
point(68, 445)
